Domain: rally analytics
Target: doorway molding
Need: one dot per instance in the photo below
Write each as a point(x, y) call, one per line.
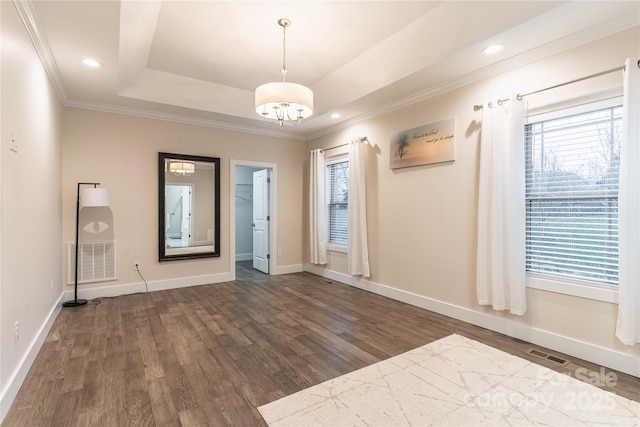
point(273, 204)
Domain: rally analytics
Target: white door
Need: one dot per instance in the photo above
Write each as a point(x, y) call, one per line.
point(261, 220)
point(179, 207)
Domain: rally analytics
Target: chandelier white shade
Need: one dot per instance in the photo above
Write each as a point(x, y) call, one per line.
point(284, 101)
point(181, 167)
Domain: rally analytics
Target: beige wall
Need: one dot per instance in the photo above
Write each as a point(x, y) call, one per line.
point(422, 220)
point(121, 152)
point(31, 214)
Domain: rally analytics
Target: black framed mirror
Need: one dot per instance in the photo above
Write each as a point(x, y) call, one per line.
point(188, 206)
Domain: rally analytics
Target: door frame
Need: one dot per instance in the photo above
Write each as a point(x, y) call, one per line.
point(273, 223)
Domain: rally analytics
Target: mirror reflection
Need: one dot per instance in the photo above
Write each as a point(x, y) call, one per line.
point(189, 206)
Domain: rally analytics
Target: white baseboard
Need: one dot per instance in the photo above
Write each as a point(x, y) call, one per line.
point(156, 285)
point(16, 379)
point(244, 257)
point(619, 361)
point(185, 282)
point(278, 269)
point(287, 269)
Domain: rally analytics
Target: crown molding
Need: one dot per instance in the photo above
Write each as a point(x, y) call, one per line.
point(29, 17)
point(176, 118)
point(32, 25)
point(614, 26)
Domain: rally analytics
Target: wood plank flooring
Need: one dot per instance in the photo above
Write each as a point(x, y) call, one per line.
point(210, 355)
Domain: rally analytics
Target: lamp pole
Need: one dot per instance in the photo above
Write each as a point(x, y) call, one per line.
point(78, 302)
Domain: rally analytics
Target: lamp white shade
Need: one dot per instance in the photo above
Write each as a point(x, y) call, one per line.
point(271, 98)
point(94, 197)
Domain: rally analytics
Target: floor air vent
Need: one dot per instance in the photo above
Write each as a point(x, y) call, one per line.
point(544, 355)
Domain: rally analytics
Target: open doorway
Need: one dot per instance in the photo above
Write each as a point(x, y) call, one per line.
point(179, 208)
point(253, 194)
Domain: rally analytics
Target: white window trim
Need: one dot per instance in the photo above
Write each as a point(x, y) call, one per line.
point(578, 288)
point(336, 159)
point(584, 107)
point(337, 247)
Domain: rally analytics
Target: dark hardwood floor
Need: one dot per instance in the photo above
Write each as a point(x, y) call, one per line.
point(210, 355)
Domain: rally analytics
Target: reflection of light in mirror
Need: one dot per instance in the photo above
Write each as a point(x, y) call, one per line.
point(96, 227)
point(182, 167)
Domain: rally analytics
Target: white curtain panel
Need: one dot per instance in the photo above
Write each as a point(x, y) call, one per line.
point(358, 252)
point(500, 268)
point(318, 208)
point(628, 325)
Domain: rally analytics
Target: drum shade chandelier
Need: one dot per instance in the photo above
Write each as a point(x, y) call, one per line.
point(280, 101)
point(182, 167)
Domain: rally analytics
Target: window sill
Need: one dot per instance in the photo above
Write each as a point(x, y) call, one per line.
point(334, 247)
point(605, 293)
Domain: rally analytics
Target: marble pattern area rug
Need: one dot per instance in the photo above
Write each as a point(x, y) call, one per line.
point(453, 381)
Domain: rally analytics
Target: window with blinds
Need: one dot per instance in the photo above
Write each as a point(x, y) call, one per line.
point(572, 169)
point(338, 180)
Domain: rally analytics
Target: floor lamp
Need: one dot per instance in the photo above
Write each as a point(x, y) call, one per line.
point(90, 197)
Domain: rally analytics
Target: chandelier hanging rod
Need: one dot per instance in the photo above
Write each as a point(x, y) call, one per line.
point(284, 23)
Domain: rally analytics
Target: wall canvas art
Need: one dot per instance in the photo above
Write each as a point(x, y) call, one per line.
point(432, 143)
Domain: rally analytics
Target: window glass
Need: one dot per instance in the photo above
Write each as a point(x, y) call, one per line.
point(572, 169)
point(338, 177)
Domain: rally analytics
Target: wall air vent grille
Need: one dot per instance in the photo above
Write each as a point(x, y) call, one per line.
point(96, 262)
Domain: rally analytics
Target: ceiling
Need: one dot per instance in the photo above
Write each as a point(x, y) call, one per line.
point(200, 61)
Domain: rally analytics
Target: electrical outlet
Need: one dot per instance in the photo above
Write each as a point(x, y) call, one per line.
point(16, 334)
point(52, 286)
point(136, 266)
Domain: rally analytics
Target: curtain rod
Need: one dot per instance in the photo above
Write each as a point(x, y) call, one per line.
point(477, 107)
point(363, 139)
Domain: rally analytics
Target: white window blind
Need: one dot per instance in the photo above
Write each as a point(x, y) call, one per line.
point(572, 169)
point(338, 177)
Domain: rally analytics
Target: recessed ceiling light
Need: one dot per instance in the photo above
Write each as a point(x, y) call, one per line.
point(92, 63)
point(494, 48)
point(335, 116)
